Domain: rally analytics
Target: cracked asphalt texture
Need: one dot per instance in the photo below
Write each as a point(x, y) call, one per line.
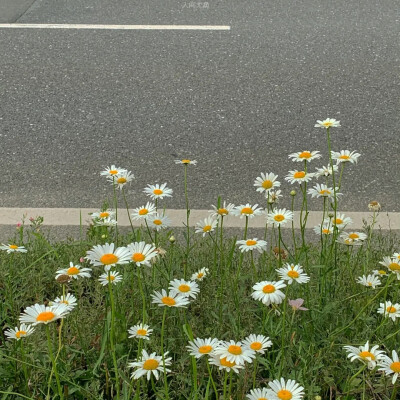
point(238, 101)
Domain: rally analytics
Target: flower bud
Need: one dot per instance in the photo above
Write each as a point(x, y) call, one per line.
point(293, 193)
point(172, 239)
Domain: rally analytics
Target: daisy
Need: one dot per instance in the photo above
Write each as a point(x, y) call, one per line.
point(355, 236)
point(323, 191)
point(258, 343)
point(279, 217)
point(252, 244)
point(349, 242)
point(186, 162)
point(105, 255)
point(289, 390)
point(305, 156)
point(110, 276)
point(121, 179)
point(299, 176)
point(379, 272)
point(18, 333)
point(259, 394)
point(69, 300)
point(13, 248)
point(326, 171)
point(392, 264)
point(327, 123)
point(345, 156)
point(369, 281)
point(101, 215)
point(158, 191)
point(390, 365)
point(112, 171)
point(185, 288)
point(396, 256)
point(266, 182)
point(389, 310)
point(144, 212)
point(200, 347)
point(141, 253)
point(374, 206)
point(246, 210)
point(340, 222)
point(327, 229)
point(223, 211)
point(40, 314)
point(205, 226)
point(291, 272)
point(223, 363)
point(365, 354)
point(149, 364)
point(268, 292)
point(200, 275)
point(169, 300)
point(74, 271)
point(159, 222)
point(273, 196)
point(140, 331)
point(105, 222)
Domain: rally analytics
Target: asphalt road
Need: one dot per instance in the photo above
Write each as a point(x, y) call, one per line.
point(238, 101)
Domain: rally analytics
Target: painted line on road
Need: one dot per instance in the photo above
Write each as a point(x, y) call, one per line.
point(71, 217)
point(119, 27)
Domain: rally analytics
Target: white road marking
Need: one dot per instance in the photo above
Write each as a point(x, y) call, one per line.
point(119, 27)
point(71, 217)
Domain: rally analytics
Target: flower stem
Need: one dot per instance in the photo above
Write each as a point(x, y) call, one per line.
point(162, 353)
point(54, 366)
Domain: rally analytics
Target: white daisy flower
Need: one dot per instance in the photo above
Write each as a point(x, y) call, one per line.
point(327, 229)
point(247, 210)
point(105, 222)
point(19, 333)
point(164, 299)
point(110, 276)
point(206, 225)
point(105, 255)
point(102, 215)
point(326, 171)
point(140, 331)
point(379, 272)
point(345, 156)
point(258, 343)
point(259, 394)
point(141, 253)
point(327, 123)
point(396, 256)
point(365, 354)
point(122, 178)
point(40, 314)
point(266, 182)
point(341, 221)
point(223, 211)
point(144, 212)
point(279, 217)
point(273, 196)
point(13, 248)
point(299, 176)
point(268, 292)
point(200, 347)
point(369, 281)
point(149, 364)
point(74, 271)
point(112, 171)
point(388, 309)
point(392, 264)
point(252, 244)
point(186, 162)
point(185, 288)
point(354, 236)
point(323, 191)
point(158, 221)
point(289, 390)
point(158, 191)
point(390, 365)
point(224, 364)
point(374, 206)
point(291, 272)
point(305, 156)
point(69, 300)
point(200, 275)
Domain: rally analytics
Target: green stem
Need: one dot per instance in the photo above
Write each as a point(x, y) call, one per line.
point(162, 353)
point(212, 380)
point(54, 364)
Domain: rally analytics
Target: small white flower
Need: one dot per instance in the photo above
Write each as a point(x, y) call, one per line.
point(74, 271)
point(365, 354)
point(323, 191)
point(224, 364)
point(258, 343)
point(259, 394)
point(286, 390)
point(112, 171)
point(158, 221)
point(345, 156)
point(326, 171)
point(186, 162)
point(390, 365)
point(327, 229)
point(268, 292)
point(69, 300)
point(369, 281)
point(200, 347)
point(158, 191)
point(389, 310)
point(13, 248)
point(142, 253)
point(266, 182)
point(221, 212)
point(185, 288)
point(121, 179)
point(149, 364)
point(144, 212)
point(279, 217)
point(140, 331)
point(327, 123)
point(19, 333)
point(205, 226)
point(305, 156)
point(164, 299)
point(252, 244)
point(200, 275)
point(247, 210)
point(40, 314)
point(291, 272)
point(110, 276)
point(299, 176)
point(235, 352)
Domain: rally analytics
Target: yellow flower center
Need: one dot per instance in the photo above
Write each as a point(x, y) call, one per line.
point(251, 242)
point(157, 222)
point(267, 184)
point(326, 231)
point(395, 366)
point(369, 283)
point(108, 259)
point(284, 394)
point(293, 274)
point(247, 210)
point(113, 172)
point(138, 257)
point(344, 157)
point(269, 289)
point(168, 301)
point(104, 214)
point(236, 350)
point(150, 364)
point(20, 333)
point(141, 332)
point(157, 191)
point(382, 272)
point(205, 349)
point(185, 161)
point(256, 346)
point(305, 154)
point(353, 236)
point(367, 354)
point(207, 228)
point(200, 275)
point(110, 278)
point(64, 302)
point(143, 211)
point(338, 221)
point(184, 288)
point(223, 211)
point(45, 316)
point(13, 246)
point(299, 175)
point(225, 363)
point(325, 192)
point(72, 271)
point(391, 309)
point(279, 217)
point(394, 266)
point(327, 124)
point(121, 180)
